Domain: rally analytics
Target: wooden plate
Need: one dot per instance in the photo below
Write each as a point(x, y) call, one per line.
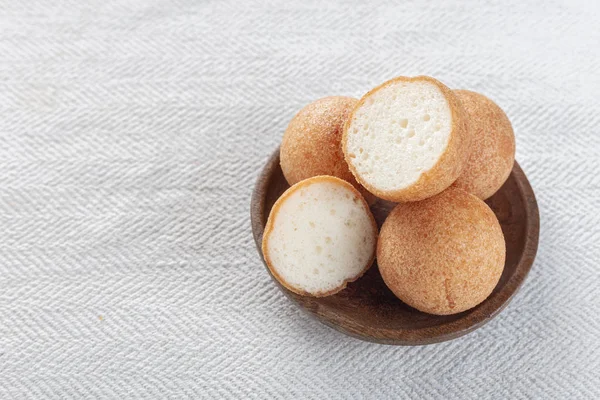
point(368, 310)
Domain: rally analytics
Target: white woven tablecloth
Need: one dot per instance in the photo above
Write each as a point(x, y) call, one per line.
point(131, 134)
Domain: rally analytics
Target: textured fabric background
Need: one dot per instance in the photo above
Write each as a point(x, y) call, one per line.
point(132, 133)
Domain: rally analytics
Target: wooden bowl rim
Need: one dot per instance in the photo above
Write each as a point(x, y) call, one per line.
point(410, 337)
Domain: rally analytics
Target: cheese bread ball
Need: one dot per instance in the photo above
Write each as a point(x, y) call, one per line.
point(443, 255)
